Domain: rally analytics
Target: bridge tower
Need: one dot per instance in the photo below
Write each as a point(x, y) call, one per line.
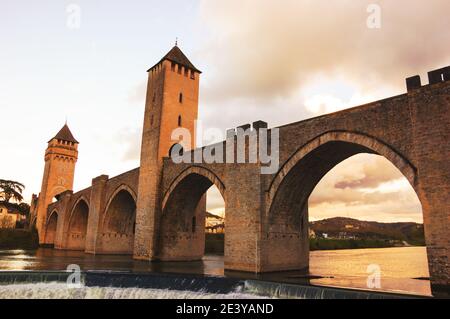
point(60, 158)
point(171, 103)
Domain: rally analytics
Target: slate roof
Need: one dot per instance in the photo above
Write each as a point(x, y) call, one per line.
point(65, 134)
point(177, 56)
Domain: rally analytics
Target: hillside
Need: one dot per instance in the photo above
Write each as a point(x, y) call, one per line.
point(348, 228)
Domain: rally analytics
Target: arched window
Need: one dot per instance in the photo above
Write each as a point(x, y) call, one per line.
point(180, 98)
point(179, 120)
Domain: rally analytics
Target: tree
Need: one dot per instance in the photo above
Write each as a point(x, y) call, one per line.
point(11, 190)
point(24, 209)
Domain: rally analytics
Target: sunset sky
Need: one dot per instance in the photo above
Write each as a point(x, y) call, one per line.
point(278, 61)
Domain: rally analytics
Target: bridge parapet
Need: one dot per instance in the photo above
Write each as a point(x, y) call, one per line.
point(434, 77)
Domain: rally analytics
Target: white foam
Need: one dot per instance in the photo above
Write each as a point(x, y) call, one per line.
point(62, 291)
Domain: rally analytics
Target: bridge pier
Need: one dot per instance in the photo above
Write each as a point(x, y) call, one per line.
point(63, 219)
point(431, 152)
point(243, 214)
point(95, 212)
point(181, 234)
point(285, 244)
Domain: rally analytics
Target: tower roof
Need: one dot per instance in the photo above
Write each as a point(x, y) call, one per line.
point(177, 56)
point(65, 134)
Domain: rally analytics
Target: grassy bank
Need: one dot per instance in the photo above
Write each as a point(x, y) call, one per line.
point(18, 239)
point(333, 244)
point(214, 244)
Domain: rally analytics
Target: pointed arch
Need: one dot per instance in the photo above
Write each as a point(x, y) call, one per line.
point(118, 224)
point(77, 225)
point(51, 226)
point(198, 170)
point(364, 143)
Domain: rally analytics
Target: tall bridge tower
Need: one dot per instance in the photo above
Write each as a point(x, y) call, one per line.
point(60, 158)
point(171, 103)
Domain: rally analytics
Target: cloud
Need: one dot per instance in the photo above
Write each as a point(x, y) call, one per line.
point(214, 201)
point(130, 138)
point(374, 173)
point(137, 93)
point(366, 187)
point(266, 49)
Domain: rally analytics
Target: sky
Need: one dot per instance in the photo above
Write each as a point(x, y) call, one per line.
point(278, 61)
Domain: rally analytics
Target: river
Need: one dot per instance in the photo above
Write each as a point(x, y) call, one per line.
point(399, 268)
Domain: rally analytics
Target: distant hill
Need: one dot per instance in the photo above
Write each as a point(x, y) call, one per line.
point(341, 227)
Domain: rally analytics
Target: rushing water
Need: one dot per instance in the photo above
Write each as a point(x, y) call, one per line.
point(400, 269)
point(60, 291)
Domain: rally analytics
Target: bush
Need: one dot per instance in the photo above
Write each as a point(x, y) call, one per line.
point(19, 239)
point(333, 244)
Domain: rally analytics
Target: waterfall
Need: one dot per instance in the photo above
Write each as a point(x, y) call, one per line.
point(55, 290)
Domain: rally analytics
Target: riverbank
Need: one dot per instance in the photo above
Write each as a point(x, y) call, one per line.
point(214, 243)
point(337, 244)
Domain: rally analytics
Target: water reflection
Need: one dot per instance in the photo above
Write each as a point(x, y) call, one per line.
point(343, 268)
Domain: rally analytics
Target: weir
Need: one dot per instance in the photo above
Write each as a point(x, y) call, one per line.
point(127, 285)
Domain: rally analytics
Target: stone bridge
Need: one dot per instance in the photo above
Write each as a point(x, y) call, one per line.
point(98, 219)
point(267, 215)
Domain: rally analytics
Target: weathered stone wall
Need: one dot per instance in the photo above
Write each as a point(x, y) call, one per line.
point(430, 114)
point(171, 103)
point(148, 202)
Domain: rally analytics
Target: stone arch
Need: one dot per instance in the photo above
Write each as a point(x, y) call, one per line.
point(51, 225)
point(367, 144)
point(286, 218)
point(118, 225)
point(182, 223)
point(198, 170)
point(121, 187)
point(77, 226)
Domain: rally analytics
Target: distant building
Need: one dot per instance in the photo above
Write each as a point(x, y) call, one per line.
point(214, 224)
point(345, 235)
point(9, 216)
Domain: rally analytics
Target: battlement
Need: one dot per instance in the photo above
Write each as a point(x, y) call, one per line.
point(257, 125)
point(434, 77)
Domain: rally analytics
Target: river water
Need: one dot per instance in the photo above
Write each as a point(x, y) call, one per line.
point(402, 270)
